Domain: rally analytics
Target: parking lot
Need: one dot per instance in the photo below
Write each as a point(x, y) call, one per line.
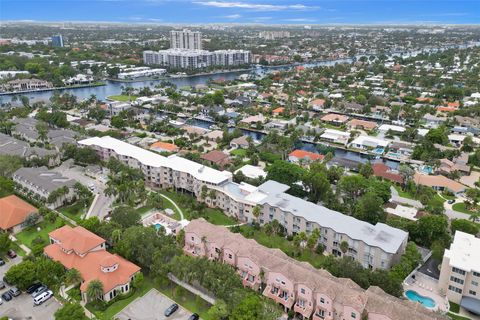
point(151, 307)
point(21, 307)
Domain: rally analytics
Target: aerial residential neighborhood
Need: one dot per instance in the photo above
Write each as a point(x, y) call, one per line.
point(249, 160)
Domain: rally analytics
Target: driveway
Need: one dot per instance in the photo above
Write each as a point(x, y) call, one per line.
point(21, 307)
point(151, 307)
point(101, 206)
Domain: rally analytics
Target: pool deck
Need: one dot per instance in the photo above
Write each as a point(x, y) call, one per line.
point(427, 287)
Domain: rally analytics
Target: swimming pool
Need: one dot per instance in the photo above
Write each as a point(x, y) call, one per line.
point(158, 226)
point(425, 301)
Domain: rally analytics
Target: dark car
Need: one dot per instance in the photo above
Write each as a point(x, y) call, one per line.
point(194, 316)
point(170, 310)
point(7, 296)
point(11, 254)
point(33, 287)
point(2, 284)
point(451, 201)
point(14, 291)
point(2, 262)
point(39, 291)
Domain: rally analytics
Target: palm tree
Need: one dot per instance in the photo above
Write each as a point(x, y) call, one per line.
point(116, 235)
point(95, 290)
point(73, 276)
point(474, 216)
point(256, 211)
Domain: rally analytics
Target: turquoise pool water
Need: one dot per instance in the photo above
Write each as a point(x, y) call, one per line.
point(158, 226)
point(425, 301)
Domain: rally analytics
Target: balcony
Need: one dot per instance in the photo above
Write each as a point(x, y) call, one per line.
point(321, 314)
point(304, 310)
point(279, 296)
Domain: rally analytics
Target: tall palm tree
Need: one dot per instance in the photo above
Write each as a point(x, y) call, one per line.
point(95, 289)
point(116, 235)
point(73, 276)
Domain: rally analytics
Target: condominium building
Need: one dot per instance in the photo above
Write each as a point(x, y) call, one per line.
point(374, 246)
point(57, 41)
point(41, 182)
point(309, 292)
point(460, 272)
point(196, 59)
point(185, 39)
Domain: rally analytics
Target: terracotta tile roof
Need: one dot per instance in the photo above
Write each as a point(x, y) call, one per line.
point(164, 146)
point(334, 117)
point(278, 110)
point(215, 156)
point(91, 264)
point(317, 102)
point(367, 125)
point(383, 171)
point(78, 239)
point(302, 154)
point(13, 211)
point(438, 181)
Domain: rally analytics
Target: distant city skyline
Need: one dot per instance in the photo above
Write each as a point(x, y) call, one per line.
point(245, 11)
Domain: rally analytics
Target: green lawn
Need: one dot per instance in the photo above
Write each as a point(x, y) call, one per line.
point(143, 210)
point(117, 306)
point(239, 152)
point(217, 217)
point(74, 211)
point(186, 299)
point(448, 196)
point(28, 235)
point(122, 97)
point(274, 241)
point(457, 317)
point(460, 207)
point(404, 194)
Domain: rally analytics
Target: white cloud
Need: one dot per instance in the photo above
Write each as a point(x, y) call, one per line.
point(233, 16)
point(300, 20)
point(253, 6)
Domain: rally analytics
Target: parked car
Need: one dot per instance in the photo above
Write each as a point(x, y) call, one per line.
point(2, 262)
point(2, 284)
point(171, 310)
point(194, 316)
point(43, 297)
point(11, 254)
point(33, 287)
point(14, 291)
point(1, 301)
point(7, 296)
point(39, 291)
point(451, 201)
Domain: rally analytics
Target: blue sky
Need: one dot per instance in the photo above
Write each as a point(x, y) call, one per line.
point(247, 11)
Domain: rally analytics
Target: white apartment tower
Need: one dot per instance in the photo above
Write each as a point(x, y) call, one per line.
point(185, 39)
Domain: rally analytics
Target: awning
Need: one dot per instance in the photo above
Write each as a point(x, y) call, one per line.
point(471, 304)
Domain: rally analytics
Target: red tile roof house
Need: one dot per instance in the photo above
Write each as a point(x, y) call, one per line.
point(13, 212)
point(336, 119)
point(312, 293)
point(301, 156)
point(317, 104)
point(439, 183)
point(383, 171)
point(85, 251)
point(216, 157)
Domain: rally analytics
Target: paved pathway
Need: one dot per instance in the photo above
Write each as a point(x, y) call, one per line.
point(21, 245)
point(397, 198)
point(73, 222)
point(182, 217)
point(192, 289)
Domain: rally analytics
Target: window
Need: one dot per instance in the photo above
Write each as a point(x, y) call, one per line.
point(354, 315)
point(457, 280)
point(454, 289)
point(229, 256)
point(475, 283)
point(473, 293)
point(322, 300)
point(476, 274)
point(193, 238)
point(459, 271)
point(302, 291)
